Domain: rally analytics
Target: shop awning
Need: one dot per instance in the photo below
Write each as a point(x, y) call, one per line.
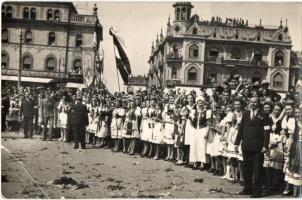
point(75, 85)
point(26, 79)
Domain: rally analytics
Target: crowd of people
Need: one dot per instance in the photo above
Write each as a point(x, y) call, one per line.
point(249, 135)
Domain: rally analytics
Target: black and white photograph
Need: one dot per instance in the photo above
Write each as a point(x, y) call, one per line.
point(151, 99)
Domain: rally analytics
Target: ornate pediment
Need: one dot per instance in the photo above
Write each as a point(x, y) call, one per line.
point(196, 27)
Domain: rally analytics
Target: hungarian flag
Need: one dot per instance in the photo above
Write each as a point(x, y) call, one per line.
point(122, 61)
point(98, 35)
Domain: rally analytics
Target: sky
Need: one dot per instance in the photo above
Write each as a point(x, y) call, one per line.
point(138, 23)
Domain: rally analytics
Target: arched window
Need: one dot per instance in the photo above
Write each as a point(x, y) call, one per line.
point(4, 61)
point(57, 15)
point(213, 53)
point(235, 53)
point(183, 13)
point(49, 15)
point(192, 75)
point(9, 12)
point(212, 77)
point(279, 58)
point(77, 66)
point(50, 64)
point(256, 77)
point(278, 81)
point(257, 56)
point(33, 14)
point(236, 36)
point(25, 13)
point(214, 35)
point(193, 51)
point(280, 37)
point(79, 40)
point(51, 38)
point(174, 72)
point(194, 31)
point(4, 35)
point(27, 62)
point(3, 12)
point(28, 37)
point(177, 14)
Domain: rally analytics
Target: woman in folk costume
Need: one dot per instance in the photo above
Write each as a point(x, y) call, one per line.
point(146, 132)
point(182, 114)
point(290, 130)
point(63, 109)
point(199, 137)
point(129, 125)
point(135, 135)
point(102, 130)
point(150, 126)
point(117, 124)
point(157, 136)
point(188, 129)
point(93, 118)
point(296, 179)
point(273, 159)
point(238, 111)
point(169, 127)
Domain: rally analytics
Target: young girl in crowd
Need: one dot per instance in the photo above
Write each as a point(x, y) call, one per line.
point(188, 128)
point(117, 124)
point(146, 132)
point(63, 109)
point(157, 133)
point(169, 127)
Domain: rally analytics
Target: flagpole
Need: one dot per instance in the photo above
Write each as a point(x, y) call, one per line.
point(118, 79)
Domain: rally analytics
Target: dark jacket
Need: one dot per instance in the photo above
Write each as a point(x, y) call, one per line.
point(78, 114)
point(27, 108)
point(254, 134)
point(47, 107)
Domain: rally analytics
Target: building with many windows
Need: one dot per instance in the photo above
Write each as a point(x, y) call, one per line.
point(198, 52)
point(57, 42)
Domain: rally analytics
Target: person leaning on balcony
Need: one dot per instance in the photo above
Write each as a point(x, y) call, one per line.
point(47, 110)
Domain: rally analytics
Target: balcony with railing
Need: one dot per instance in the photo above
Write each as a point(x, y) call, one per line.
point(174, 57)
point(74, 76)
point(82, 19)
point(30, 73)
point(173, 82)
point(240, 62)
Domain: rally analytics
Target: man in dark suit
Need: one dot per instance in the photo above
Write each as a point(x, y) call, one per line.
point(253, 133)
point(78, 117)
point(5, 103)
point(47, 111)
point(27, 111)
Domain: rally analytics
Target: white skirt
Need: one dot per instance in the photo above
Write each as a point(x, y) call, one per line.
point(157, 136)
point(102, 130)
point(199, 146)
point(188, 132)
point(146, 132)
point(169, 133)
point(62, 120)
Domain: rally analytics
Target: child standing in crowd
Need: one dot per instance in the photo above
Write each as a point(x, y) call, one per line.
point(169, 127)
point(117, 124)
point(63, 109)
point(146, 131)
point(157, 136)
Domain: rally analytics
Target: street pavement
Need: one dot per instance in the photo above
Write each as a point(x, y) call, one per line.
point(29, 166)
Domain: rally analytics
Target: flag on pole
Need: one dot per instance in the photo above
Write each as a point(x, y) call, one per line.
point(122, 61)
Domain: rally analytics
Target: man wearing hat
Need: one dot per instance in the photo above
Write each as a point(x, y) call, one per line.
point(78, 118)
point(47, 112)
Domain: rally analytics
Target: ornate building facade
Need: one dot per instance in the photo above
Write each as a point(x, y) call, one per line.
point(198, 52)
point(57, 42)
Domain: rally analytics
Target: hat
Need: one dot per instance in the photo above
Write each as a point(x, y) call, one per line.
point(256, 84)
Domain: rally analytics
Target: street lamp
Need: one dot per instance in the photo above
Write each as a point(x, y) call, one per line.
point(20, 60)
